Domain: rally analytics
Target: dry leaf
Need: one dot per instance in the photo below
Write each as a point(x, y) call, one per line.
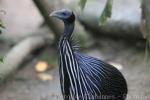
point(41, 66)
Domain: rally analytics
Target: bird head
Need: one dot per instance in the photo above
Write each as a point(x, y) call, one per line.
point(65, 15)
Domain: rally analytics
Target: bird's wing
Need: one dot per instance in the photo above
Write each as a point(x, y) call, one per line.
point(92, 73)
point(99, 76)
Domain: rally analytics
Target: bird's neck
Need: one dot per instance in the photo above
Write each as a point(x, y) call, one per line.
point(69, 27)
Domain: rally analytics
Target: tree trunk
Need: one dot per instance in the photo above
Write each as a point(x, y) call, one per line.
point(124, 22)
point(19, 54)
point(46, 7)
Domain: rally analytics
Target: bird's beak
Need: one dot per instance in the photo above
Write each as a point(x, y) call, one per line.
point(54, 14)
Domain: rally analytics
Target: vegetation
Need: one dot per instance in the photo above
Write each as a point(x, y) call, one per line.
point(106, 12)
point(1, 27)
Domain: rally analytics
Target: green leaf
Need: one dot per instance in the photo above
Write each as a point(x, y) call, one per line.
point(82, 3)
point(1, 60)
point(106, 12)
point(1, 24)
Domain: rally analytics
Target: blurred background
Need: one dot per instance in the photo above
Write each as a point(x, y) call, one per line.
point(117, 32)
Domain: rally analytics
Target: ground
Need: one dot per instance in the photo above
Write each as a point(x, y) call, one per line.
point(129, 58)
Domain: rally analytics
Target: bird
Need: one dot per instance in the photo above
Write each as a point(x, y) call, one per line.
point(84, 77)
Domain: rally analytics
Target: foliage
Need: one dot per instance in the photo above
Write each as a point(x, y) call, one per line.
point(1, 60)
point(1, 27)
point(82, 3)
point(106, 12)
point(1, 23)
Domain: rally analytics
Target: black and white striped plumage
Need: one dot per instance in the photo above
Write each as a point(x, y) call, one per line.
point(83, 77)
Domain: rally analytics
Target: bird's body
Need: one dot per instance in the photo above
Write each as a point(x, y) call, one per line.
point(83, 77)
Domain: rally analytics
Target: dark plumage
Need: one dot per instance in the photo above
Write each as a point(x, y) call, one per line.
point(83, 77)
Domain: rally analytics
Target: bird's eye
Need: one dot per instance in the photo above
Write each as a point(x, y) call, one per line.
point(63, 13)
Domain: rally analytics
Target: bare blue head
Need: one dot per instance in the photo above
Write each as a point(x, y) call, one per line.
point(68, 17)
point(65, 15)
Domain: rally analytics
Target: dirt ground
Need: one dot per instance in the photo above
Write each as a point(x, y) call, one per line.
point(129, 58)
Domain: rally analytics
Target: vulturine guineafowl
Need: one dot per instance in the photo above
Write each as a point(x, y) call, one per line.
point(83, 77)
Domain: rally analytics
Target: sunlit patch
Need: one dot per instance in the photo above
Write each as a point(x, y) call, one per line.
point(116, 65)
